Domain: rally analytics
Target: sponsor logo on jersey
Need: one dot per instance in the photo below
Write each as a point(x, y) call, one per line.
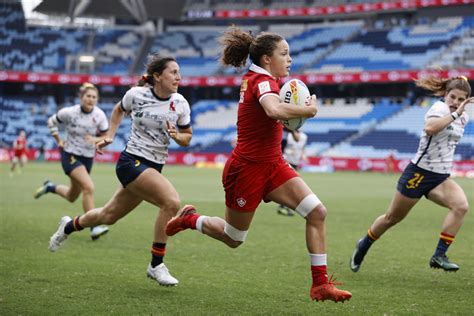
point(244, 85)
point(172, 107)
point(264, 87)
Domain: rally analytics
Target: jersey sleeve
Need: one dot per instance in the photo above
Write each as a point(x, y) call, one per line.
point(439, 109)
point(64, 115)
point(264, 86)
point(103, 123)
point(127, 101)
point(184, 119)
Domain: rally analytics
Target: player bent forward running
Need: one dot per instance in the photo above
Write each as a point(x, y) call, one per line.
point(159, 114)
point(428, 173)
point(257, 169)
point(85, 124)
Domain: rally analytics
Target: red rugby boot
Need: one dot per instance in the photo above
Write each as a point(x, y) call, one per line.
point(186, 218)
point(329, 291)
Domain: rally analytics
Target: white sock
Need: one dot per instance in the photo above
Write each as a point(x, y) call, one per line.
point(318, 259)
point(199, 222)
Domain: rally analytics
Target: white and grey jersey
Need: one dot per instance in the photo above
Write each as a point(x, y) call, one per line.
point(436, 152)
point(149, 137)
point(294, 150)
point(78, 124)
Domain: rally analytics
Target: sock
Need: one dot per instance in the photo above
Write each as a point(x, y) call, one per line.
point(51, 187)
point(190, 220)
point(319, 271)
point(73, 226)
point(367, 241)
point(445, 240)
point(157, 253)
point(199, 221)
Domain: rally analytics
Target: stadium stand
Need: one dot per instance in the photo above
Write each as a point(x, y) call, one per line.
point(397, 48)
point(362, 127)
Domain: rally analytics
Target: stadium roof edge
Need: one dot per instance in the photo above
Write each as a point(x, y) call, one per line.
point(140, 10)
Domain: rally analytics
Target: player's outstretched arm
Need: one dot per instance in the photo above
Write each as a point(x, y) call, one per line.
point(115, 120)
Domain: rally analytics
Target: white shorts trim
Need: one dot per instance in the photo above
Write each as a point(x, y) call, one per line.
point(234, 233)
point(307, 204)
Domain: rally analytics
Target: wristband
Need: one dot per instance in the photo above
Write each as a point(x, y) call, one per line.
point(455, 115)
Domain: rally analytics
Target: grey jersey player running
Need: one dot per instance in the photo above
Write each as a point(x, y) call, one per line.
point(428, 173)
point(85, 124)
point(159, 114)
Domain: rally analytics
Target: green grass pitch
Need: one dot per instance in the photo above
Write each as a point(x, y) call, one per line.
point(268, 274)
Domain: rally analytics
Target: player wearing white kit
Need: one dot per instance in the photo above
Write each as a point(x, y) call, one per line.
point(428, 173)
point(293, 152)
point(158, 114)
point(85, 124)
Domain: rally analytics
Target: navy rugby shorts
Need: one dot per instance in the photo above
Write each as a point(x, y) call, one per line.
point(70, 162)
point(130, 166)
point(416, 182)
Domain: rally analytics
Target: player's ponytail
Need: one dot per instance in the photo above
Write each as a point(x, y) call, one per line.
point(441, 86)
point(144, 80)
point(238, 45)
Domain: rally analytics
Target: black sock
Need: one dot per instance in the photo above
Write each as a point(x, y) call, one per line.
point(157, 253)
point(73, 226)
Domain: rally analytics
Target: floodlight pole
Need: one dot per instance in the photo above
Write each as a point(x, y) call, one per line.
point(77, 7)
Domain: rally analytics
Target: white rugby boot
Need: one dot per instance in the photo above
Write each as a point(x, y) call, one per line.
point(161, 274)
point(59, 236)
point(98, 231)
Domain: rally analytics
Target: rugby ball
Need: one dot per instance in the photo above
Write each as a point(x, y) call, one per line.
point(294, 92)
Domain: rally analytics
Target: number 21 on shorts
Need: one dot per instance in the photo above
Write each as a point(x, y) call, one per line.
point(414, 182)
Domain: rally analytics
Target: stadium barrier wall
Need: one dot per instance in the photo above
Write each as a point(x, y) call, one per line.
point(319, 164)
point(230, 81)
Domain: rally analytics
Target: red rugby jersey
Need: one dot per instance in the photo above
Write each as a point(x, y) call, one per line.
point(19, 146)
point(258, 136)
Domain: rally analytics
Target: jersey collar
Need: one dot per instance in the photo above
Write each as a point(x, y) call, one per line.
point(82, 110)
point(156, 96)
point(259, 70)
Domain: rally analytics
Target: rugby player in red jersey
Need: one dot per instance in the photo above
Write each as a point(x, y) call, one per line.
point(19, 154)
point(256, 170)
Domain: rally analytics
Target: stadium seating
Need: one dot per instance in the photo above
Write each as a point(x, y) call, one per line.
point(323, 47)
point(115, 50)
point(411, 47)
point(360, 128)
point(356, 128)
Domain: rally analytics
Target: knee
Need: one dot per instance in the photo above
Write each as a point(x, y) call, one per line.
point(171, 206)
point(461, 209)
point(391, 220)
point(88, 188)
point(234, 237)
point(318, 214)
point(72, 197)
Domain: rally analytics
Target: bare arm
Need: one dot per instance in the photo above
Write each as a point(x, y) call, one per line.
point(115, 120)
point(278, 110)
point(182, 137)
point(434, 125)
point(53, 128)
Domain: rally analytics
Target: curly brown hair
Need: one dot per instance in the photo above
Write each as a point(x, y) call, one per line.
point(238, 45)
